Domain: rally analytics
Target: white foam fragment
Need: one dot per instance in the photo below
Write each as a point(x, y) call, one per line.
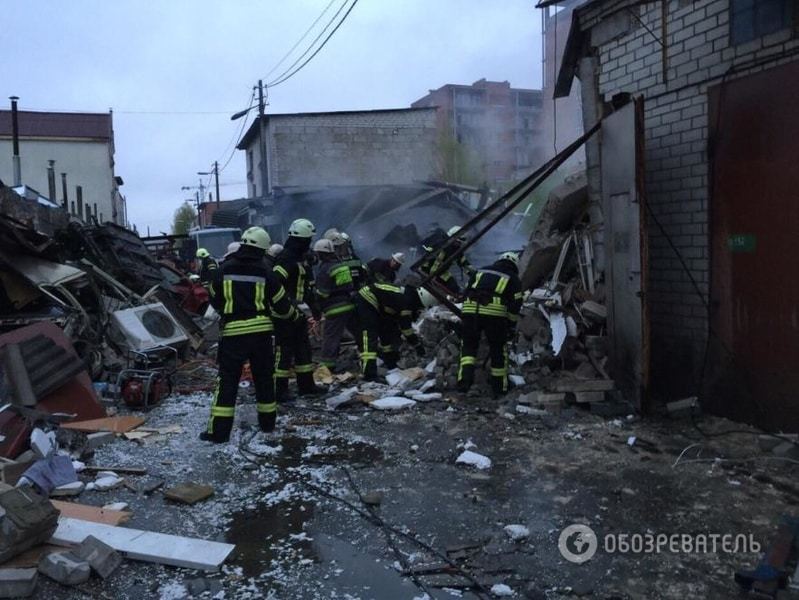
point(431, 366)
point(392, 403)
point(106, 483)
point(116, 506)
point(501, 590)
point(342, 398)
point(474, 459)
point(396, 379)
point(428, 385)
point(516, 532)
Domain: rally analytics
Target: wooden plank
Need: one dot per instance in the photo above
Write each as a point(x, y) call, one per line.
point(123, 470)
point(113, 424)
point(147, 546)
point(95, 514)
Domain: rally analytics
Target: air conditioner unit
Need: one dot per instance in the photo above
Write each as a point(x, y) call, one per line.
point(146, 327)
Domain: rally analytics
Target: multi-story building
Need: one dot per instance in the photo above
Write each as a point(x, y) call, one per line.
point(500, 124)
point(82, 148)
point(716, 140)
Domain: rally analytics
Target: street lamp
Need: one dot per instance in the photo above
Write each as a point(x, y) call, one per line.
point(261, 137)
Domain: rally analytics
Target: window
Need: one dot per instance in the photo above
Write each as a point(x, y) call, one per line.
point(751, 19)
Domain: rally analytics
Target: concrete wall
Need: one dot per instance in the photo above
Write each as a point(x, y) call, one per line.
point(86, 163)
point(699, 53)
point(356, 148)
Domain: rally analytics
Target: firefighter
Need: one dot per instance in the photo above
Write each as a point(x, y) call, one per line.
point(344, 250)
point(293, 343)
point(248, 296)
point(437, 255)
point(384, 270)
point(493, 299)
point(334, 292)
point(385, 318)
point(208, 266)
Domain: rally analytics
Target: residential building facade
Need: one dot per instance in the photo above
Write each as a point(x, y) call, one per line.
point(82, 146)
point(719, 137)
point(373, 147)
point(500, 124)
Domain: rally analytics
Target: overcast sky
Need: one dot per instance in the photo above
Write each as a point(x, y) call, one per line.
point(175, 71)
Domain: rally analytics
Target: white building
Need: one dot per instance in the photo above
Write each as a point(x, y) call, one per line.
point(82, 146)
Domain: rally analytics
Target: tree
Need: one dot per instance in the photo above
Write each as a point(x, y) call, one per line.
point(184, 219)
point(457, 162)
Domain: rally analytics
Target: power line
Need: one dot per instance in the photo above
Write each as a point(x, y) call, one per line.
point(299, 41)
point(285, 77)
point(240, 135)
point(235, 135)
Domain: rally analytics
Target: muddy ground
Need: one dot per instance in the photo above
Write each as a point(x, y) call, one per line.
point(290, 503)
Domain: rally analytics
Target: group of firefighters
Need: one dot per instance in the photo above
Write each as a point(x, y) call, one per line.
point(259, 287)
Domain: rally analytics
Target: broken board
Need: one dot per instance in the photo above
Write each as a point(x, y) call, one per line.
point(189, 493)
point(95, 514)
point(113, 424)
point(147, 546)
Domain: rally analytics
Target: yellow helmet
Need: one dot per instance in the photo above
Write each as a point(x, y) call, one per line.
point(256, 236)
point(202, 253)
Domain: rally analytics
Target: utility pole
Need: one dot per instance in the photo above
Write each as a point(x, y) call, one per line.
point(262, 140)
point(216, 180)
point(15, 142)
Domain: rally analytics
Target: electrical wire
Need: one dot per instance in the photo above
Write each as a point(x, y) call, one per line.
point(312, 44)
point(299, 41)
point(283, 78)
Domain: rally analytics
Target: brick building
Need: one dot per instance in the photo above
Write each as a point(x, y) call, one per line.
point(716, 139)
point(371, 147)
point(501, 124)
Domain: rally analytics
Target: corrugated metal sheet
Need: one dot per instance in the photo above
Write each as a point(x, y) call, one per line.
point(55, 124)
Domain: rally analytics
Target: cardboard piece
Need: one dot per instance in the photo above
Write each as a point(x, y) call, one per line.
point(95, 514)
point(113, 424)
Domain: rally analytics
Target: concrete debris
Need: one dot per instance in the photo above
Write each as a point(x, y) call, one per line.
point(342, 398)
point(95, 440)
point(28, 519)
point(467, 457)
point(516, 532)
point(116, 506)
point(68, 489)
point(17, 583)
point(102, 558)
point(189, 493)
point(683, 408)
point(65, 568)
point(43, 444)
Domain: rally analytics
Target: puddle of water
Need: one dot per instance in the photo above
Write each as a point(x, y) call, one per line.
point(257, 532)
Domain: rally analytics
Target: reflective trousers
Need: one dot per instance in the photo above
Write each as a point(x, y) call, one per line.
point(234, 351)
point(293, 356)
point(496, 332)
point(379, 336)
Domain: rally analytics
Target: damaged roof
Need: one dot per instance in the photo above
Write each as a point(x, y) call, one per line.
point(97, 126)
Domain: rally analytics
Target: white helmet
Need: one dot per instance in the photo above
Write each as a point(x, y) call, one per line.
point(256, 236)
point(274, 250)
point(232, 247)
point(331, 234)
point(324, 246)
point(510, 256)
point(427, 299)
point(302, 228)
point(398, 257)
point(345, 236)
point(453, 230)
point(337, 239)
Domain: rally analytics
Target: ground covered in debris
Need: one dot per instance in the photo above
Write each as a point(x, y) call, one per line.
point(361, 503)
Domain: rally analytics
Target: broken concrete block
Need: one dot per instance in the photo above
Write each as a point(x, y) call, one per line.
point(101, 438)
point(109, 482)
point(28, 519)
point(557, 398)
point(17, 583)
point(43, 444)
point(68, 489)
point(65, 567)
point(102, 558)
point(372, 497)
point(345, 397)
point(189, 493)
point(583, 397)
